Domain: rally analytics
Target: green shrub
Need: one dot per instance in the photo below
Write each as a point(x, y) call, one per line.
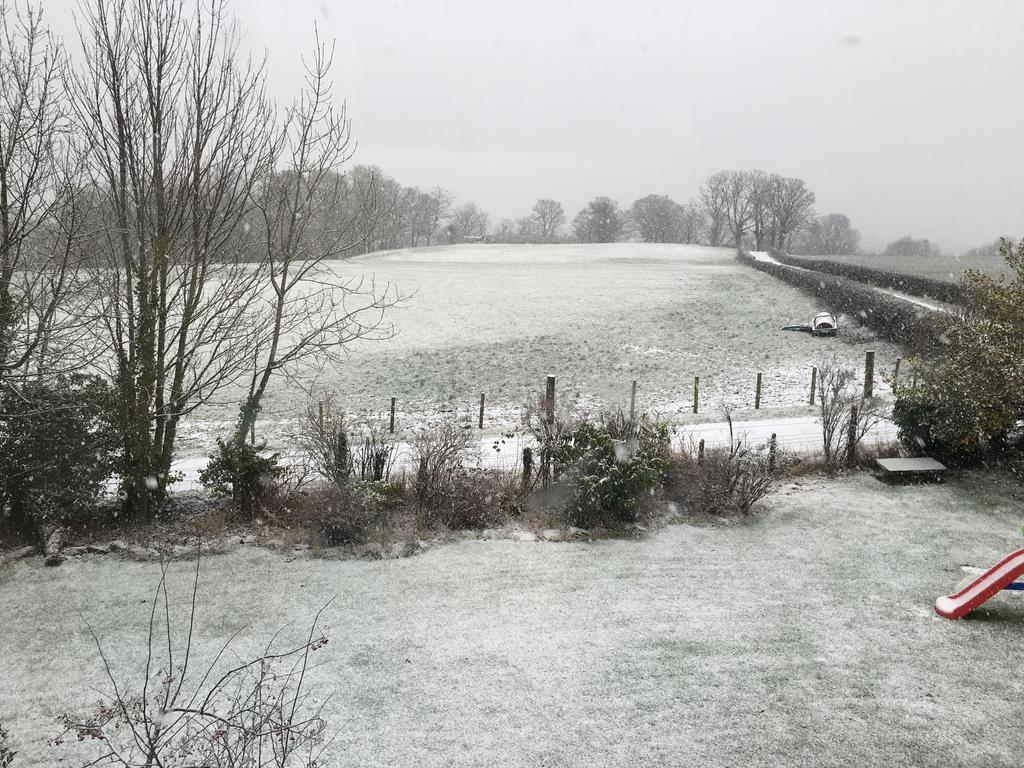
point(928, 428)
point(243, 473)
point(57, 449)
point(608, 467)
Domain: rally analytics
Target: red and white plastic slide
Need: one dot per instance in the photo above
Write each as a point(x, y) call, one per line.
point(997, 577)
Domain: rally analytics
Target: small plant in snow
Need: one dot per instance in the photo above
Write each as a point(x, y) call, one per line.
point(6, 753)
point(243, 713)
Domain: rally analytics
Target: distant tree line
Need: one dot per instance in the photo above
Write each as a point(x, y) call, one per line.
point(750, 208)
point(753, 209)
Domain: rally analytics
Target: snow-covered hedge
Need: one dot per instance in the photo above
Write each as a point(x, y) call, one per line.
point(940, 290)
point(891, 318)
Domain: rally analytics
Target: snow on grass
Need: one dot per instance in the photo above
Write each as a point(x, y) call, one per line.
point(499, 318)
point(804, 636)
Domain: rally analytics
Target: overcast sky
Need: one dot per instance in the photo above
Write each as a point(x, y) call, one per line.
point(907, 116)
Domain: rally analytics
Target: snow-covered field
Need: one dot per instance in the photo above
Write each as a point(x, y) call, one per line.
point(802, 637)
point(498, 319)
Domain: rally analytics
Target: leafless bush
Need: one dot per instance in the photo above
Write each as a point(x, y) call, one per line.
point(254, 713)
point(373, 454)
point(846, 415)
point(442, 482)
point(549, 434)
point(324, 438)
point(723, 481)
point(336, 453)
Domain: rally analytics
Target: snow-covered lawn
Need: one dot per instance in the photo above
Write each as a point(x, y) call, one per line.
point(498, 319)
point(802, 637)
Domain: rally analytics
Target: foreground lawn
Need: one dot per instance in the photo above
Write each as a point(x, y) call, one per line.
point(803, 637)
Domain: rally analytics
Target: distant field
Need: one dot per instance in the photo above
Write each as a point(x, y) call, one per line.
point(498, 319)
point(949, 268)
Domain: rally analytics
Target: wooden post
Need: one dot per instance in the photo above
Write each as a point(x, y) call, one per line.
point(481, 423)
point(391, 429)
point(700, 452)
point(913, 384)
point(851, 437)
point(869, 374)
point(696, 392)
point(632, 402)
point(814, 384)
point(321, 422)
point(549, 401)
point(772, 444)
point(757, 393)
point(527, 468)
point(896, 376)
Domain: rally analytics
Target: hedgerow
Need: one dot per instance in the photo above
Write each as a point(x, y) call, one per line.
point(939, 290)
point(891, 318)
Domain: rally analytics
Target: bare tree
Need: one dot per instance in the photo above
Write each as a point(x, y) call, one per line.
point(846, 415)
point(311, 314)
point(425, 213)
point(713, 201)
point(41, 205)
point(600, 222)
point(657, 219)
point(761, 219)
point(179, 136)
point(831, 234)
point(907, 246)
point(792, 208)
point(692, 223)
point(548, 218)
point(467, 221)
point(739, 204)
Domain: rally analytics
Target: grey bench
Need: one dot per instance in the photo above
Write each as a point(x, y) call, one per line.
point(911, 469)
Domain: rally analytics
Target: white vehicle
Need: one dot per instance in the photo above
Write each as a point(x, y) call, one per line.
point(824, 324)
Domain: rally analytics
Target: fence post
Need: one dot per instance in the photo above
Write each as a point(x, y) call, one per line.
point(549, 401)
point(814, 384)
point(481, 423)
point(896, 376)
point(851, 437)
point(869, 374)
point(757, 393)
point(632, 402)
point(771, 454)
point(913, 384)
point(527, 468)
point(700, 452)
point(391, 428)
point(696, 392)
